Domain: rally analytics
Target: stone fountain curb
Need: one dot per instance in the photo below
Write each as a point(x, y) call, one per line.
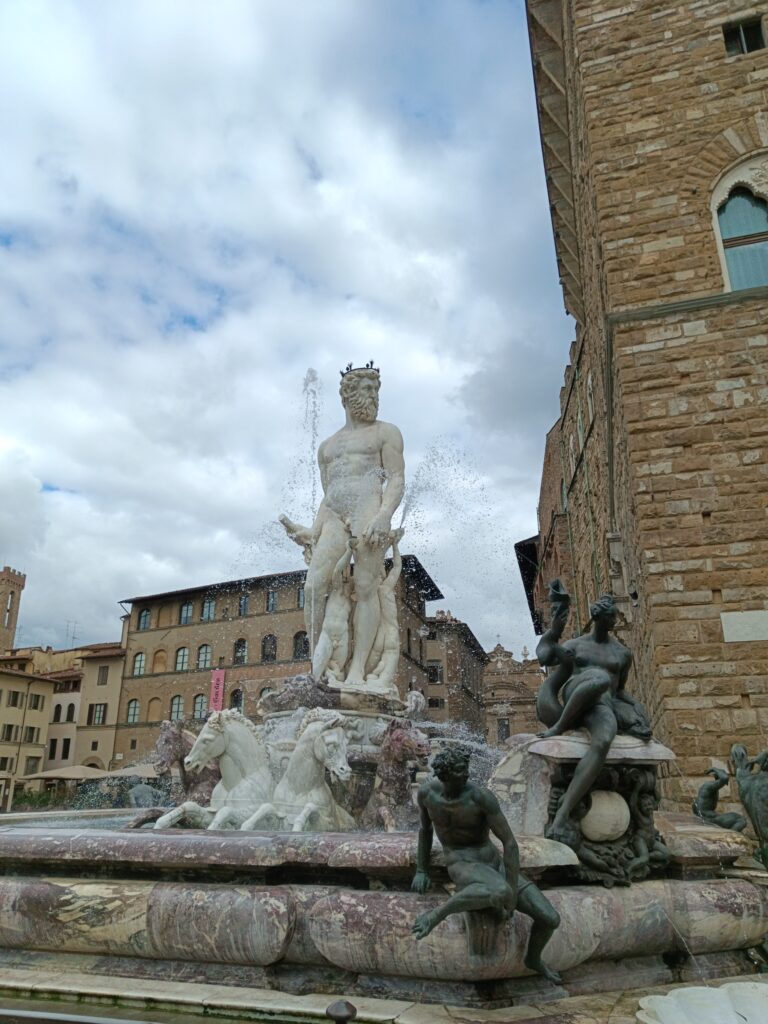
point(267, 1004)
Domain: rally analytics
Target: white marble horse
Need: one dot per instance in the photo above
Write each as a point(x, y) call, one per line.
point(302, 799)
point(246, 779)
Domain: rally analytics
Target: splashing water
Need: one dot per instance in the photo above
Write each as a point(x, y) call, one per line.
point(311, 391)
point(484, 756)
point(300, 493)
point(268, 549)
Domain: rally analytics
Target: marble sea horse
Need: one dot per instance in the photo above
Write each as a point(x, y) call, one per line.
point(303, 799)
point(246, 779)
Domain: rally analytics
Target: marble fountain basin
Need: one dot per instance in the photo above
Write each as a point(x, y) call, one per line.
point(332, 912)
point(741, 1002)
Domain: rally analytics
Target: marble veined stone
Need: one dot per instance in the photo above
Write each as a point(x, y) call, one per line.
point(740, 1002)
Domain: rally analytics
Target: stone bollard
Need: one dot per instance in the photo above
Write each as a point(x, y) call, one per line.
point(341, 1011)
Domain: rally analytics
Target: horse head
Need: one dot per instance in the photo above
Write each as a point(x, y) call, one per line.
point(210, 744)
point(416, 704)
point(402, 741)
point(330, 749)
point(171, 746)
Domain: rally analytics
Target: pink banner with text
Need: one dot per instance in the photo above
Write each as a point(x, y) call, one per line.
point(216, 703)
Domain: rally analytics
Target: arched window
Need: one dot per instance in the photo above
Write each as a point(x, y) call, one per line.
point(154, 710)
point(139, 662)
point(572, 453)
point(185, 614)
point(209, 609)
point(590, 396)
point(236, 700)
point(159, 661)
point(57, 713)
point(200, 706)
point(580, 428)
point(144, 618)
point(70, 712)
point(204, 656)
point(182, 659)
point(743, 221)
point(300, 646)
point(133, 712)
point(242, 605)
point(177, 708)
point(269, 648)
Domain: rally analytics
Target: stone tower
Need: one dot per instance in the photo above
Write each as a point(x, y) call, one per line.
point(11, 585)
point(654, 128)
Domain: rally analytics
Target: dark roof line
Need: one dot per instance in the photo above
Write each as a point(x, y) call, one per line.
point(469, 637)
point(412, 568)
point(33, 677)
point(527, 561)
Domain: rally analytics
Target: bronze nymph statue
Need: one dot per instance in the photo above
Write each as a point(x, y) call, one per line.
point(590, 672)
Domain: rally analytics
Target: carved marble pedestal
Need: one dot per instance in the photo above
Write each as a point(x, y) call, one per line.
point(366, 716)
point(614, 834)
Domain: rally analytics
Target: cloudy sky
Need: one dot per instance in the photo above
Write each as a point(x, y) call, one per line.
point(199, 203)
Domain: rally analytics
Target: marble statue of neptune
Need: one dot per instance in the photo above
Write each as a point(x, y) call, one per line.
point(363, 478)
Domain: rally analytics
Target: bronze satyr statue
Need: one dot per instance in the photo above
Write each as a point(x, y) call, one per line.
point(591, 672)
point(705, 803)
point(463, 814)
point(753, 793)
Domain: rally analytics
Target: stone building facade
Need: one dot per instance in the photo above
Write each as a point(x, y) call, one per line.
point(11, 585)
point(509, 695)
point(25, 708)
point(246, 636)
point(82, 715)
point(455, 663)
point(654, 129)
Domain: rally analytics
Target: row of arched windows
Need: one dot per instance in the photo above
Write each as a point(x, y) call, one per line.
point(58, 709)
point(204, 658)
point(208, 609)
point(176, 708)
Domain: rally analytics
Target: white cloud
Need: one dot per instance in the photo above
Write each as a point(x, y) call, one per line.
point(197, 206)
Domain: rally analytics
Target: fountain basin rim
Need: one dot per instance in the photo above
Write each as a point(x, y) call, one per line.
point(368, 852)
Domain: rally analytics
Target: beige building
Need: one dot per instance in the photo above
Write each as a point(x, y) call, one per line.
point(101, 667)
point(455, 662)
point(245, 636)
point(86, 694)
point(25, 707)
point(509, 695)
point(655, 140)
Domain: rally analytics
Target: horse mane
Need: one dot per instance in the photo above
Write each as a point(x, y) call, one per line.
point(326, 715)
point(218, 719)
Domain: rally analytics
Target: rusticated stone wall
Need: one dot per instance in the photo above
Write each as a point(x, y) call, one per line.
point(695, 405)
point(664, 412)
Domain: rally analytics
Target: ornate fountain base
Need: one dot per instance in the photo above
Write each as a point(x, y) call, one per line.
point(333, 913)
point(613, 831)
point(366, 717)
